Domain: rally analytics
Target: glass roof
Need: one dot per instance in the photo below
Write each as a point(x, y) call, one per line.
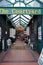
point(11, 16)
point(27, 1)
point(12, 1)
point(25, 18)
point(41, 1)
point(15, 18)
point(29, 17)
point(18, 20)
point(15, 21)
point(24, 21)
point(34, 4)
point(21, 3)
point(16, 24)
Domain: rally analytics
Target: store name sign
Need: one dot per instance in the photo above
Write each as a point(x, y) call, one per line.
point(21, 11)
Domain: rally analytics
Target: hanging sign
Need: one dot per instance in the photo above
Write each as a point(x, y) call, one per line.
point(20, 10)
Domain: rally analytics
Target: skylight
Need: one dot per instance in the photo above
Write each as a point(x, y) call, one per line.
point(18, 20)
point(27, 1)
point(29, 17)
point(15, 18)
point(41, 1)
point(11, 16)
point(12, 1)
point(24, 21)
point(15, 21)
point(21, 3)
point(24, 18)
point(34, 4)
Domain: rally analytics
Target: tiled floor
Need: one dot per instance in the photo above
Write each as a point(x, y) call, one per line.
point(20, 57)
point(1, 54)
point(18, 63)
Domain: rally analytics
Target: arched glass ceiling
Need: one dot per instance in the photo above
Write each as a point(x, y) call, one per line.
point(25, 18)
point(12, 1)
point(41, 1)
point(21, 3)
point(16, 23)
point(15, 18)
point(34, 4)
point(4, 3)
point(18, 20)
point(11, 16)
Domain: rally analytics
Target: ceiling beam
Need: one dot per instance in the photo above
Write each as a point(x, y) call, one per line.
point(25, 17)
point(15, 20)
point(13, 17)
